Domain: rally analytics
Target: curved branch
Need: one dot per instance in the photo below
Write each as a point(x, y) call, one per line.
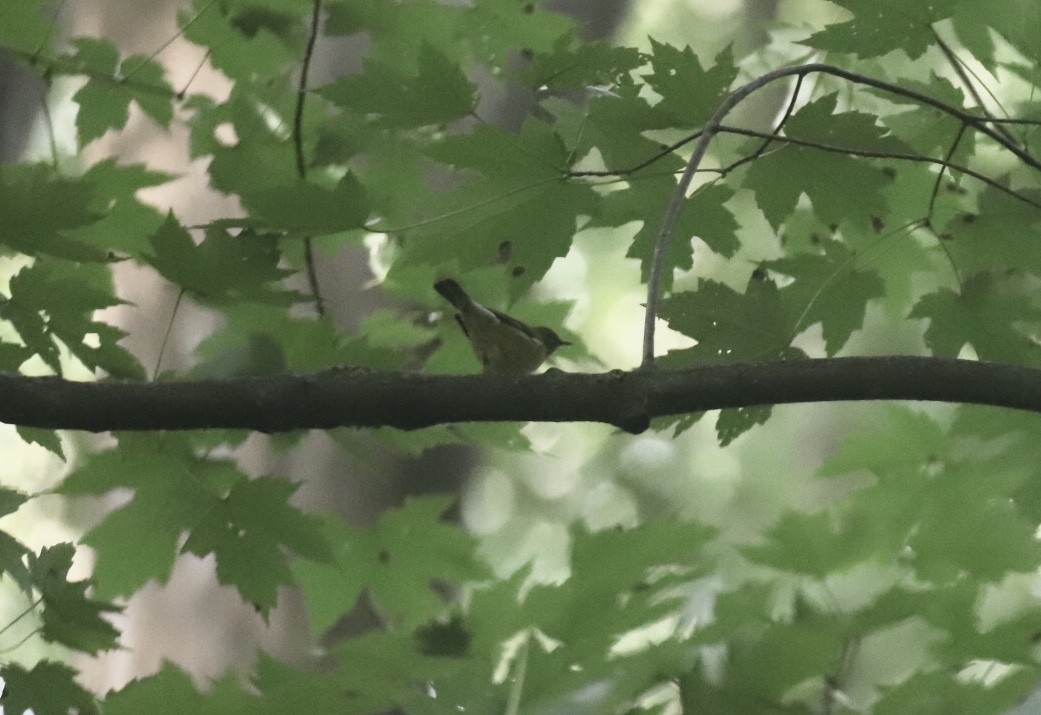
point(713, 127)
point(358, 397)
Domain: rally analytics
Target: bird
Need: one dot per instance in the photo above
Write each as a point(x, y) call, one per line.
point(502, 343)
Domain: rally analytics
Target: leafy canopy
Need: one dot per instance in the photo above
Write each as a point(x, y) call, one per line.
point(864, 218)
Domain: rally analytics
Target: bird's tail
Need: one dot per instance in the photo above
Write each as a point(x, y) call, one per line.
point(454, 294)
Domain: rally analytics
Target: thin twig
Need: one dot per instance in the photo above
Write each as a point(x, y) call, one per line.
point(712, 127)
point(183, 92)
point(298, 144)
point(23, 614)
point(768, 139)
point(166, 335)
point(872, 154)
point(959, 68)
point(943, 168)
point(48, 120)
point(180, 31)
point(665, 151)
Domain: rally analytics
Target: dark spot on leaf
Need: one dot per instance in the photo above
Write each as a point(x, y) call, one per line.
point(968, 218)
point(759, 274)
point(877, 224)
point(444, 639)
point(815, 238)
point(505, 251)
point(518, 271)
point(383, 556)
point(833, 228)
point(946, 237)
point(527, 53)
point(529, 8)
point(251, 22)
point(889, 171)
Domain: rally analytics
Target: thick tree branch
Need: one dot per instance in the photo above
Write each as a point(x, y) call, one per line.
point(628, 400)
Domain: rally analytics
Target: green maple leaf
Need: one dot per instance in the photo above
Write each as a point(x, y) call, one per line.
point(520, 212)
point(999, 541)
point(48, 439)
point(112, 85)
point(946, 692)
point(535, 154)
point(398, 31)
point(223, 267)
point(303, 208)
point(812, 544)
point(264, 163)
point(125, 222)
point(985, 314)
point(247, 524)
point(817, 121)
point(829, 289)
point(881, 26)
point(25, 26)
point(52, 305)
point(68, 616)
point(12, 551)
point(689, 92)
point(38, 209)
point(912, 438)
point(437, 93)
point(1016, 20)
point(385, 667)
point(284, 686)
point(1002, 234)
point(250, 532)
point(172, 690)
point(49, 688)
point(614, 584)
point(928, 130)
point(410, 545)
point(263, 339)
point(614, 124)
point(969, 524)
point(12, 559)
point(730, 326)
point(243, 44)
point(11, 500)
point(1012, 445)
point(572, 63)
point(500, 28)
point(733, 423)
point(703, 216)
point(841, 188)
point(172, 491)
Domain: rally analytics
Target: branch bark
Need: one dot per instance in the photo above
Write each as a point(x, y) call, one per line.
point(355, 397)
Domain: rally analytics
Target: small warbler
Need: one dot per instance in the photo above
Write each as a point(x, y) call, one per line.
point(502, 343)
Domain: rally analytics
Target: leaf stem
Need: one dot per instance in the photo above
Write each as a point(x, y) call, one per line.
point(166, 335)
